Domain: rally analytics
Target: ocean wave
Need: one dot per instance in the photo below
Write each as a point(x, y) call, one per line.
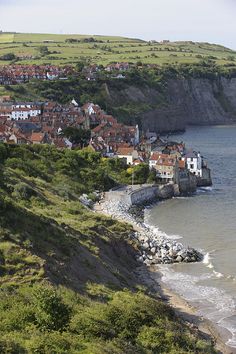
point(228, 323)
point(212, 303)
point(218, 274)
point(156, 231)
point(204, 190)
point(207, 261)
point(180, 198)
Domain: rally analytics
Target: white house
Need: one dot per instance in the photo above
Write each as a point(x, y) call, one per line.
point(24, 112)
point(75, 103)
point(194, 163)
point(137, 135)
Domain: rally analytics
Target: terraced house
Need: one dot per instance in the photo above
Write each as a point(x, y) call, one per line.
point(166, 167)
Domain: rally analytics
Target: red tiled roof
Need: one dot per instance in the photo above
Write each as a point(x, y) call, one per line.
point(38, 137)
point(125, 150)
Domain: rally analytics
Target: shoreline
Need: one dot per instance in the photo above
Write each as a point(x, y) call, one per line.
point(151, 277)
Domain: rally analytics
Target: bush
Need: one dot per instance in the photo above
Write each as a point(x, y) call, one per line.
point(51, 314)
point(154, 339)
point(92, 322)
point(9, 346)
point(54, 343)
point(23, 191)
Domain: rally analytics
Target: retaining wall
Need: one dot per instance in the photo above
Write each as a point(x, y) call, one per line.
point(143, 194)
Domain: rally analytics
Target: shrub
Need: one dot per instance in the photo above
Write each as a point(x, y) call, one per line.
point(23, 191)
point(9, 346)
point(50, 311)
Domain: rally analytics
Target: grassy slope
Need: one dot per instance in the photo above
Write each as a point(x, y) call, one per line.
point(48, 238)
point(113, 49)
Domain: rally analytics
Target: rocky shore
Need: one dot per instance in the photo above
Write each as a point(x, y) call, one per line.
point(153, 248)
point(167, 249)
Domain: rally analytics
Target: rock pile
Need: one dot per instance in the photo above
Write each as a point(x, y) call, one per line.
point(157, 250)
point(153, 247)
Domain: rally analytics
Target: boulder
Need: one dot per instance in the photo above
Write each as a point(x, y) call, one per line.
point(179, 259)
point(153, 250)
point(145, 246)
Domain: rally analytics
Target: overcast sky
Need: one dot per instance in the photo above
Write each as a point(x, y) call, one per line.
point(197, 20)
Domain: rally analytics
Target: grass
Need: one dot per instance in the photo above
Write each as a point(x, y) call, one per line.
point(6, 38)
point(112, 49)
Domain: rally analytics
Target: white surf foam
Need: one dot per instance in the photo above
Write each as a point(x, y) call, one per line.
point(156, 231)
point(212, 303)
point(207, 261)
point(227, 323)
point(218, 274)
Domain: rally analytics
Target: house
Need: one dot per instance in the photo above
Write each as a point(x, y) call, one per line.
point(39, 138)
point(20, 113)
point(18, 139)
point(166, 167)
point(127, 153)
point(153, 159)
point(118, 67)
point(194, 162)
point(5, 99)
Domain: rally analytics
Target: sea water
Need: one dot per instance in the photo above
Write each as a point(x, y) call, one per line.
point(206, 221)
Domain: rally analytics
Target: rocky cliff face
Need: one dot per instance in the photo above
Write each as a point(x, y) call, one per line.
point(187, 101)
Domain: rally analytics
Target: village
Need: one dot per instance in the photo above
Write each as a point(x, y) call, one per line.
point(73, 126)
point(19, 73)
point(15, 74)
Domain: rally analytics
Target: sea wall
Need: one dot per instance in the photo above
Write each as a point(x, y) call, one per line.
point(187, 183)
point(205, 180)
point(143, 194)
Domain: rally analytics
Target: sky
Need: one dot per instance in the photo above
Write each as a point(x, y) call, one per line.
point(197, 20)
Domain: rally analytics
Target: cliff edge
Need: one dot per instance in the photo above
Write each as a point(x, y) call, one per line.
point(193, 101)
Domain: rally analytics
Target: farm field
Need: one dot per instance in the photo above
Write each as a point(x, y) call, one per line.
point(105, 49)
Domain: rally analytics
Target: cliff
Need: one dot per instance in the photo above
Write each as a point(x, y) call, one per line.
point(69, 279)
point(193, 101)
point(152, 100)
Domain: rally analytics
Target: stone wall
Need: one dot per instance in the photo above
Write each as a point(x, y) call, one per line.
point(205, 180)
point(142, 195)
point(187, 184)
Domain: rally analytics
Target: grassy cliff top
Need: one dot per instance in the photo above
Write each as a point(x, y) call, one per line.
point(106, 49)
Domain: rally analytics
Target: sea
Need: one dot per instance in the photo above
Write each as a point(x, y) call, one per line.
point(206, 221)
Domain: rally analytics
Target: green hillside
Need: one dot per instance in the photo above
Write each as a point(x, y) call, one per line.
point(67, 281)
point(106, 49)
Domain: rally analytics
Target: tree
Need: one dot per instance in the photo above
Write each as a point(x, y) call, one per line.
point(8, 56)
point(80, 65)
point(77, 136)
point(43, 50)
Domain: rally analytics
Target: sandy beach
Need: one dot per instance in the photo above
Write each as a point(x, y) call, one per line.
point(151, 277)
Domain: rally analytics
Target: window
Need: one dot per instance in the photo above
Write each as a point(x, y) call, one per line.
point(192, 166)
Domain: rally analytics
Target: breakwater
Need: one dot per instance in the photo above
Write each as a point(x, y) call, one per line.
point(153, 248)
